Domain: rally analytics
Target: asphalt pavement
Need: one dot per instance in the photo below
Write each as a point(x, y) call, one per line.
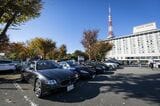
point(130, 86)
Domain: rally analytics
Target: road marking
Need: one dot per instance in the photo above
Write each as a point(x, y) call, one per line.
point(8, 100)
point(25, 97)
point(29, 100)
point(18, 87)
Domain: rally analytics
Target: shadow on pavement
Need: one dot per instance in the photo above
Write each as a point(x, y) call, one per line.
point(145, 87)
point(9, 77)
point(84, 90)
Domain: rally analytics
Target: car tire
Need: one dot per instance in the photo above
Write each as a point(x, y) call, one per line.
point(38, 88)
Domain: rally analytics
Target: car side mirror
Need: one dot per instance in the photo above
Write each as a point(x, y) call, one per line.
point(32, 67)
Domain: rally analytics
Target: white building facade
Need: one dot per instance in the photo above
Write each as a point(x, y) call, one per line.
point(143, 44)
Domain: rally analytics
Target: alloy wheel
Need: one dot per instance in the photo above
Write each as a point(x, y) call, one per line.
point(38, 88)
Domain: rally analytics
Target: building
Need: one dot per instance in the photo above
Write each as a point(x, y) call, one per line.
point(142, 44)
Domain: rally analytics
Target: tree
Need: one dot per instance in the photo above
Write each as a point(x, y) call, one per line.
point(4, 6)
point(54, 54)
point(4, 43)
point(47, 46)
point(99, 50)
point(69, 56)
point(79, 53)
point(17, 51)
point(95, 49)
point(15, 12)
point(40, 46)
point(89, 38)
point(62, 52)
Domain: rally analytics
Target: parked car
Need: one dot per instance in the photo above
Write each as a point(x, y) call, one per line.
point(83, 71)
point(113, 60)
point(6, 65)
point(98, 66)
point(111, 65)
point(18, 65)
point(45, 76)
point(157, 64)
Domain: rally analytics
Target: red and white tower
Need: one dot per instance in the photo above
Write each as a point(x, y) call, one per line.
point(110, 29)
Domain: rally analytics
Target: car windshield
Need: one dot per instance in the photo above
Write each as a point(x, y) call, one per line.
point(92, 63)
point(72, 64)
point(42, 65)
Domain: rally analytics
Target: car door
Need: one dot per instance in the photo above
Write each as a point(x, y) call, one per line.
point(1, 65)
point(30, 73)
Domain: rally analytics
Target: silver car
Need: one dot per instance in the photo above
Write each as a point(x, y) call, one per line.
point(6, 65)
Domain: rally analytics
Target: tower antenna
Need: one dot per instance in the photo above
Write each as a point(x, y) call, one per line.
point(110, 29)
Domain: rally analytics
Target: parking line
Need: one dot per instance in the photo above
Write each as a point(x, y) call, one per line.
point(25, 97)
point(18, 87)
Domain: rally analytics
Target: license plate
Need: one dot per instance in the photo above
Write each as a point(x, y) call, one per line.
point(70, 87)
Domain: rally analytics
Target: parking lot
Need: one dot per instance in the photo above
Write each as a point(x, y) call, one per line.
point(130, 86)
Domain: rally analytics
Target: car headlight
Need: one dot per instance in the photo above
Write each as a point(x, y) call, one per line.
point(103, 67)
point(76, 75)
point(51, 82)
point(82, 71)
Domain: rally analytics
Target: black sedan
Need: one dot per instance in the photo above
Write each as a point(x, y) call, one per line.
point(98, 66)
point(45, 75)
point(84, 71)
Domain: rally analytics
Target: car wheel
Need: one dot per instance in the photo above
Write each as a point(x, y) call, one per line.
point(38, 88)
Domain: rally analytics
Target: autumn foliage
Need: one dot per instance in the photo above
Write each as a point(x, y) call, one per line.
point(36, 47)
point(95, 49)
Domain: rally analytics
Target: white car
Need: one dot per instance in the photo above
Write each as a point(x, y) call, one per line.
point(157, 65)
point(6, 65)
point(111, 65)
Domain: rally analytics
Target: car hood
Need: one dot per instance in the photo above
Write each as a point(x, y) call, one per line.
point(57, 74)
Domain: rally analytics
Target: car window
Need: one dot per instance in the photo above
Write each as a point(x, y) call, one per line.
point(5, 62)
point(42, 65)
point(72, 64)
point(61, 63)
point(16, 62)
point(30, 65)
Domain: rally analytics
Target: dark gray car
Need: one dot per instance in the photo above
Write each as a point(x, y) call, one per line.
point(45, 75)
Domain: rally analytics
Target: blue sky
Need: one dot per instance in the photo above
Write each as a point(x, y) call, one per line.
point(65, 20)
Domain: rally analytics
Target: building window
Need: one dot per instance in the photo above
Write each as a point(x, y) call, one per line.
point(155, 57)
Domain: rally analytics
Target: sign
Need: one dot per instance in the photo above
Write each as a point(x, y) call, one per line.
point(80, 58)
point(145, 27)
point(2, 54)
